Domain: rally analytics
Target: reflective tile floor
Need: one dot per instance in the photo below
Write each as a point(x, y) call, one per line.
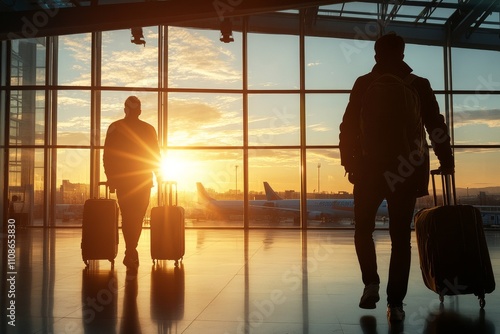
point(230, 281)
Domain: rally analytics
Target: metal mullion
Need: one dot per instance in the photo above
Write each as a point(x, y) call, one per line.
point(449, 86)
point(49, 186)
point(162, 90)
point(303, 142)
point(246, 221)
point(95, 113)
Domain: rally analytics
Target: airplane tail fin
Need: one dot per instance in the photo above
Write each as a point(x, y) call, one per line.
point(203, 196)
point(271, 195)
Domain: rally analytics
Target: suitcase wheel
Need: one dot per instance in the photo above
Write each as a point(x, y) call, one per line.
point(112, 263)
point(482, 302)
point(441, 298)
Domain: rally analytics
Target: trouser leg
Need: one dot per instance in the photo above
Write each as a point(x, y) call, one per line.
point(133, 205)
point(366, 203)
point(401, 207)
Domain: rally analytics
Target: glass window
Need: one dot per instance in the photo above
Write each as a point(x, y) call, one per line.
point(426, 61)
point(325, 174)
point(112, 105)
point(210, 185)
point(38, 189)
point(476, 119)
point(281, 170)
point(475, 70)
point(74, 59)
point(329, 196)
point(205, 119)
point(3, 64)
point(73, 117)
point(27, 117)
point(125, 64)
point(26, 179)
point(198, 59)
point(73, 185)
point(477, 170)
point(273, 61)
point(273, 119)
point(28, 62)
point(336, 63)
point(324, 113)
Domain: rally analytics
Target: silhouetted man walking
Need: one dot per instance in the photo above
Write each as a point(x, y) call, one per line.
point(384, 151)
point(131, 155)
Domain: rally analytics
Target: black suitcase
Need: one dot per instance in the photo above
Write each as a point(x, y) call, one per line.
point(100, 229)
point(167, 226)
point(454, 257)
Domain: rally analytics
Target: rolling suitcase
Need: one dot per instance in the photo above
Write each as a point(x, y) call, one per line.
point(167, 226)
point(100, 229)
point(454, 257)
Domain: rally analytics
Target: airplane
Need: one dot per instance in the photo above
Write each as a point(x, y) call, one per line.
point(319, 209)
point(228, 208)
point(277, 207)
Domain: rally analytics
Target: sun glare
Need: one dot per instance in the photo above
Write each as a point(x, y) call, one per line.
point(172, 169)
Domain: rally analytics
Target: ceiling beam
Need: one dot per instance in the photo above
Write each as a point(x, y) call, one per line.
point(62, 21)
point(261, 19)
point(355, 29)
point(461, 21)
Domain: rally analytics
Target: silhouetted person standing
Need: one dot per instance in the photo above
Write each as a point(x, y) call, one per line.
point(384, 150)
point(131, 155)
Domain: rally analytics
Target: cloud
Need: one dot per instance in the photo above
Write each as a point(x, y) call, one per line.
point(319, 127)
point(489, 117)
point(73, 138)
point(200, 123)
point(187, 114)
point(131, 68)
point(193, 56)
point(68, 101)
point(316, 63)
point(76, 50)
point(79, 46)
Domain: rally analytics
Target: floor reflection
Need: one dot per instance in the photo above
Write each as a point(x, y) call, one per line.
point(99, 300)
point(445, 321)
point(167, 295)
point(130, 317)
point(251, 282)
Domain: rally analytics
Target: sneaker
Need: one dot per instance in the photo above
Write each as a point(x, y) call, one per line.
point(395, 313)
point(370, 296)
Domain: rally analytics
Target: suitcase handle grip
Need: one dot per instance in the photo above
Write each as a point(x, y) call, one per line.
point(448, 184)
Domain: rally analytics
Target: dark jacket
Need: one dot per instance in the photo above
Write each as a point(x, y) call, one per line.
point(131, 154)
point(432, 120)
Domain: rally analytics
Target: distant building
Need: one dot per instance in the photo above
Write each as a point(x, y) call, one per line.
point(73, 193)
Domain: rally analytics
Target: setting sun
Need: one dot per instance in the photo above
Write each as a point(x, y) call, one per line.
point(173, 168)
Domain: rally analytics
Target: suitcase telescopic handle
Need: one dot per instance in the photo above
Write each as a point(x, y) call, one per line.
point(167, 191)
point(106, 186)
point(448, 184)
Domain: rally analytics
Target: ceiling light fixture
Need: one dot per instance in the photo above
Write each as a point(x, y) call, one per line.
point(226, 31)
point(137, 36)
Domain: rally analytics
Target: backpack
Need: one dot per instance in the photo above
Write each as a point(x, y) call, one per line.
point(390, 123)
